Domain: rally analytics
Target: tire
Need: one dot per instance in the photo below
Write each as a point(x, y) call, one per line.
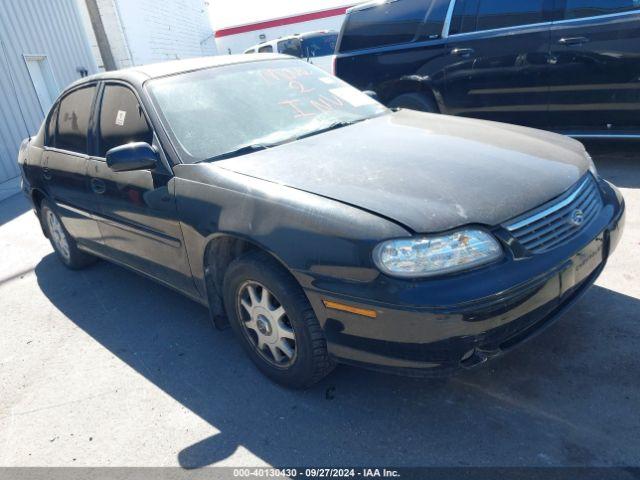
point(307, 360)
point(414, 101)
point(62, 242)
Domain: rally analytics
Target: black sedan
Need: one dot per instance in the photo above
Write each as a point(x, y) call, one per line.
point(321, 226)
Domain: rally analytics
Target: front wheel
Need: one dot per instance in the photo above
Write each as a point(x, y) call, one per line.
point(276, 325)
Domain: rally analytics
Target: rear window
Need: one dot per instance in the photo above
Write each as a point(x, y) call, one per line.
point(478, 15)
point(394, 22)
point(592, 8)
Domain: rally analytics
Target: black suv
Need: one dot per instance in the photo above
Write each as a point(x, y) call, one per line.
point(570, 66)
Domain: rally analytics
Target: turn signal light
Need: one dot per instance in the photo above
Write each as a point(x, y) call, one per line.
point(348, 308)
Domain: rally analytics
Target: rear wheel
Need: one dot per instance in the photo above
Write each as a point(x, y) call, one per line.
point(276, 325)
point(63, 243)
point(414, 101)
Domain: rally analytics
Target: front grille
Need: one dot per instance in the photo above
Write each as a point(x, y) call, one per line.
point(557, 222)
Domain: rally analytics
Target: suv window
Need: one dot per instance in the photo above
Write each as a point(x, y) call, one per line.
point(478, 15)
point(266, 49)
point(121, 119)
point(592, 8)
point(73, 120)
point(392, 22)
point(319, 46)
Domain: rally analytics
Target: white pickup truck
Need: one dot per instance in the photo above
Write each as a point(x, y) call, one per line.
point(317, 48)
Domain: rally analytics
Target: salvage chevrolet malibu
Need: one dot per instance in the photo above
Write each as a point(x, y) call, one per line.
point(323, 227)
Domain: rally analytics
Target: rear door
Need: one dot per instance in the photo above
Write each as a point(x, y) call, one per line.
point(65, 160)
point(595, 85)
point(498, 60)
point(137, 210)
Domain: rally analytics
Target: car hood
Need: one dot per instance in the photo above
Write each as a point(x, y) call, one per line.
point(428, 172)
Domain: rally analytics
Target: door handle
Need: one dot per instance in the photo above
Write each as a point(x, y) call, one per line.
point(573, 41)
point(98, 186)
point(463, 52)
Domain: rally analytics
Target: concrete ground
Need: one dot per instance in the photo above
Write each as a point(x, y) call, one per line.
point(104, 368)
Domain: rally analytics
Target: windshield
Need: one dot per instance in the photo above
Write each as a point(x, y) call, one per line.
point(211, 112)
point(319, 46)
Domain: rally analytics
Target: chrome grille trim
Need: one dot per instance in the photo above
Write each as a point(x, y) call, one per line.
point(549, 226)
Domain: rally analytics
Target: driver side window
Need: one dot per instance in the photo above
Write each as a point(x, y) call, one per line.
point(121, 120)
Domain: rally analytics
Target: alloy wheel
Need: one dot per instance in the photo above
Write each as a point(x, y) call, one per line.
point(265, 322)
point(58, 235)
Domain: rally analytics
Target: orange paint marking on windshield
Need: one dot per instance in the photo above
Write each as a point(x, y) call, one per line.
point(299, 113)
point(285, 74)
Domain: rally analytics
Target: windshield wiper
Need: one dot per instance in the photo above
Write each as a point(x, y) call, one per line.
point(331, 126)
point(244, 150)
point(254, 147)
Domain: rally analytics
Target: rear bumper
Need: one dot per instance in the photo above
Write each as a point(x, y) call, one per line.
point(495, 308)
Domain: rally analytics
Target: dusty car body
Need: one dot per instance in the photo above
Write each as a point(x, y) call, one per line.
point(299, 230)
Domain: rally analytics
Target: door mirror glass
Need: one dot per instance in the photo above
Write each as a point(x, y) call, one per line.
point(132, 156)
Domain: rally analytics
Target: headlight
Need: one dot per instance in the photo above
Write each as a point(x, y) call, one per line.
point(435, 255)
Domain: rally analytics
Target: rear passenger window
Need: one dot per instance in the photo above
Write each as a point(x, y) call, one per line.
point(592, 8)
point(478, 15)
point(393, 22)
point(73, 120)
point(121, 119)
point(51, 128)
point(266, 49)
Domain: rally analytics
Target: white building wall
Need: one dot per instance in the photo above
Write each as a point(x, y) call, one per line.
point(238, 43)
point(161, 30)
point(114, 28)
point(149, 31)
point(86, 23)
point(48, 28)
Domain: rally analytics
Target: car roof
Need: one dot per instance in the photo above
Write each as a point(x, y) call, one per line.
point(317, 33)
point(140, 74)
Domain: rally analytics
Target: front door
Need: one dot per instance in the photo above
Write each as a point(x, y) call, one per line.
point(498, 61)
point(595, 86)
point(137, 217)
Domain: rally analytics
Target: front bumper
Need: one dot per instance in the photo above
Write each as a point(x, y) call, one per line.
point(435, 327)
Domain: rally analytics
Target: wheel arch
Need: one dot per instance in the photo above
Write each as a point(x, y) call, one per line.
point(412, 84)
point(220, 251)
point(37, 196)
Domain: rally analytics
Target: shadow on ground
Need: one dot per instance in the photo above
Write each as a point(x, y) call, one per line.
point(569, 397)
point(13, 207)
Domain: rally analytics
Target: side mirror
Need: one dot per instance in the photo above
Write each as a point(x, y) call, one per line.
point(371, 94)
point(132, 156)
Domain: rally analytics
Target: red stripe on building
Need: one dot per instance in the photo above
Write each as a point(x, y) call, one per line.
point(279, 22)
